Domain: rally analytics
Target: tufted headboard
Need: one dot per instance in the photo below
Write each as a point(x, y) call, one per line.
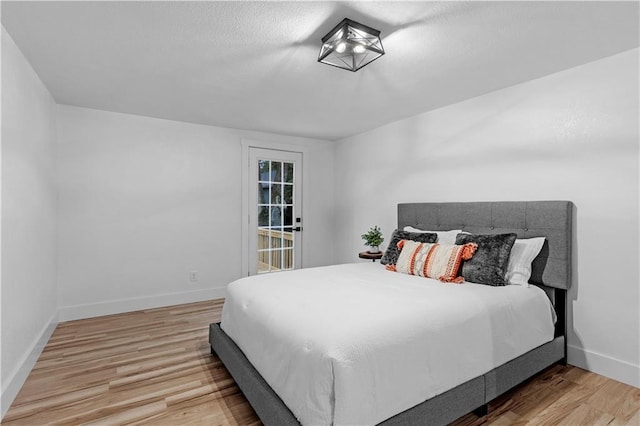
point(550, 219)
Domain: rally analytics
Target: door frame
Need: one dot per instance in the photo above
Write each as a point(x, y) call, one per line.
point(247, 144)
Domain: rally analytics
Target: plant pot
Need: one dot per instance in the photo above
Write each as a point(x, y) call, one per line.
point(374, 249)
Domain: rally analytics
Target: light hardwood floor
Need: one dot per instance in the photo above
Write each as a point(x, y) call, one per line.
point(155, 367)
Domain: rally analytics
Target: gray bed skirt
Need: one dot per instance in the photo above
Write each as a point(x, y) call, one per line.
point(439, 410)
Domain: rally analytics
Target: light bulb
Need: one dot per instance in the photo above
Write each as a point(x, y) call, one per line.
point(340, 48)
point(359, 49)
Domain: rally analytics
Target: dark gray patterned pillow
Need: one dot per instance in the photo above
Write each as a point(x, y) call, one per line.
point(489, 264)
point(391, 254)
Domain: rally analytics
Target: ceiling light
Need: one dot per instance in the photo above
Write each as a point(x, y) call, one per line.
point(350, 46)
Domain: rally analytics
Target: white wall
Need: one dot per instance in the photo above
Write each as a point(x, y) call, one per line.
point(28, 219)
point(143, 201)
point(571, 135)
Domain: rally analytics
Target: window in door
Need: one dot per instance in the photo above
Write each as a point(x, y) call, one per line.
point(275, 221)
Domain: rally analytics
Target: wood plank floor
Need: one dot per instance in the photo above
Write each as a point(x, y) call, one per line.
point(155, 367)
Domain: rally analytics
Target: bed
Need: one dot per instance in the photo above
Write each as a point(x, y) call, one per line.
point(551, 272)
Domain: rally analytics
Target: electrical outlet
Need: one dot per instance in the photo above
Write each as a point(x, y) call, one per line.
point(193, 276)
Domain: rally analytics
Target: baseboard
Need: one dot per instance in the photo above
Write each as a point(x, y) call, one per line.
point(613, 368)
point(13, 384)
point(69, 313)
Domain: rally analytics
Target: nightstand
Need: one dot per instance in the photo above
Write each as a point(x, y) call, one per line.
point(372, 256)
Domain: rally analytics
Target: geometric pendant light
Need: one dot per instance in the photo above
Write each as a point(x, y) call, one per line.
point(350, 46)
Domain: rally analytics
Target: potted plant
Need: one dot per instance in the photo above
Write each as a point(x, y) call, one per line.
point(373, 239)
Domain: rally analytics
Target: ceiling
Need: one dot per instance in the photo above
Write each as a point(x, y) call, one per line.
point(252, 65)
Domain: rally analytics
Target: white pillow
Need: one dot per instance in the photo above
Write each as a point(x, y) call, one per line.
point(522, 254)
point(444, 237)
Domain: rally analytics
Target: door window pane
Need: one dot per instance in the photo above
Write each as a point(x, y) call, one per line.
point(263, 216)
point(288, 172)
point(276, 239)
point(287, 217)
point(263, 261)
point(287, 259)
point(288, 194)
point(263, 193)
point(263, 171)
point(276, 194)
point(276, 169)
point(276, 258)
point(275, 216)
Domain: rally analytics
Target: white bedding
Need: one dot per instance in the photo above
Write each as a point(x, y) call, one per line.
point(355, 344)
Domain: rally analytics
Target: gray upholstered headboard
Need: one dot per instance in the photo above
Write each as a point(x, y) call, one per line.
point(550, 219)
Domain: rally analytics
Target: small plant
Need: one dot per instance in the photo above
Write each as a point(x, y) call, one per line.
point(374, 237)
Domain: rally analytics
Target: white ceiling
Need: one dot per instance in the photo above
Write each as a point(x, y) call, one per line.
point(252, 65)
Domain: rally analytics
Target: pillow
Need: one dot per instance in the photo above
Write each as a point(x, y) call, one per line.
point(441, 261)
point(391, 254)
point(444, 237)
point(489, 264)
point(522, 254)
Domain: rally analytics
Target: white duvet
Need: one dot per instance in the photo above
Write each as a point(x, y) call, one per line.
point(355, 344)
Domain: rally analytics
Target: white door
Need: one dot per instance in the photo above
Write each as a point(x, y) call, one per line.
point(275, 213)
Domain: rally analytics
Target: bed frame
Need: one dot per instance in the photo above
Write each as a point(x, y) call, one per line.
point(551, 270)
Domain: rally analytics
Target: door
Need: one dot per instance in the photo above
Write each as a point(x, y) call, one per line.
point(275, 214)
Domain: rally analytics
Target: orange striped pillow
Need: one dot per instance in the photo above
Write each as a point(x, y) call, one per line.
point(441, 261)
